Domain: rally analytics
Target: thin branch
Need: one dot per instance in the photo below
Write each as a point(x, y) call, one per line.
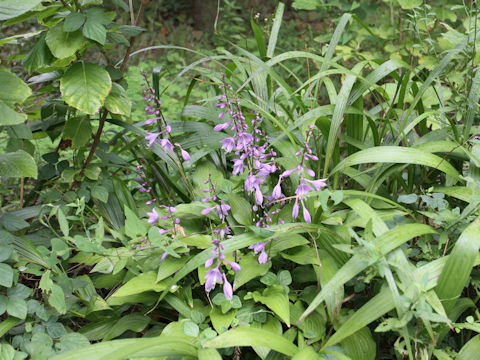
point(132, 15)
point(96, 141)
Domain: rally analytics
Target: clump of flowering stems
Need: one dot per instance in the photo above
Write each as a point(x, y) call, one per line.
point(305, 185)
point(218, 259)
point(162, 136)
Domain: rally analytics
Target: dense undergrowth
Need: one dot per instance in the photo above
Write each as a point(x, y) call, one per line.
point(266, 198)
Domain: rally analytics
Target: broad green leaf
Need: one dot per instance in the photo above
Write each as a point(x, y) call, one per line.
point(17, 308)
point(240, 209)
point(10, 116)
point(134, 322)
point(141, 283)
point(117, 102)
point(209, 354)
point(398, 155)
point(161, 346)
point(470, 350)
point(220, 321)
point(62, 221)
point(63, 44)
point(456, 272)
point(95, 31)
point(18, 164)
point(383, 245)
point(307, 353)
point(5, 326)
point(360, 345)
point(250, 269)
point(245, 336)
point(79, 130)
point(12, 89)
point(71, 341)
point(100, 192)
point(169, 266)
point(57, 299)
point(133, 225)
point(274, 326)
point(6, 275)
point(92, 172)
point(73, 21)
point(12, 8)
point(85, 86)
point(40, 56)
point(409, 4)
point(276, 299)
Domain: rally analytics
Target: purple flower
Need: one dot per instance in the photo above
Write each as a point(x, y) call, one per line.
point(227, 288)
point(258, 195)
point(303, 189)
point(150, 121)
point(152, 216)
point(306, 214)
point(238, 166)
point(318, 184)
point(209, 262)
point(295, 209)
point(277, 191)
point(244, 139)
point(235, 267)
point(166, 144)
point(222, 126)
point(260, 246)
point(228, 144)
point(212, 276)
point(263, 258)
point(164, 255)
point(185, 155)
point(151, 137)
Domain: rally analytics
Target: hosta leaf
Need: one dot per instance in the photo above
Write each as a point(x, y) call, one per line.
point(85, 86)
point(117, 102)
point(141, 283)
point(470, 350)
point(63, 44)
point(134, 322)
point(12, 8)
point(220, 321)
point(162, 346)
point(276, 298)
point(245, 336)
point(250, 269)
point(18, 164)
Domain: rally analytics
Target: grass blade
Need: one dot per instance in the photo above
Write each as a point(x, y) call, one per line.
point(459, 265)
point(277, 21)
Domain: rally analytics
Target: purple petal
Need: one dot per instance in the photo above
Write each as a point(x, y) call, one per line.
point(295, 209)
point(227, 288)
point(263, 258)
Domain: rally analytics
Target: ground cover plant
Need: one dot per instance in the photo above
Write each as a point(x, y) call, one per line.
point(266, 198)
